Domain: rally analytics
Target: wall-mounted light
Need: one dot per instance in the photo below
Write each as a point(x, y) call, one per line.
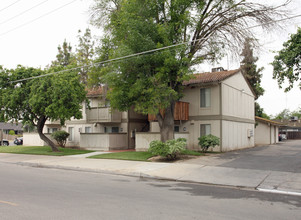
point(184, 128)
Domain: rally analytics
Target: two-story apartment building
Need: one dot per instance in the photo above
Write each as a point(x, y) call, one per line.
point(101, 128)
point(220, 103)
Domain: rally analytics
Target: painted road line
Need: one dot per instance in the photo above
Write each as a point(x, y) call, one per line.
point(280, 191)
point(8, 203)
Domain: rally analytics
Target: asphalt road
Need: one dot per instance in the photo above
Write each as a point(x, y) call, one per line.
point(40, 193)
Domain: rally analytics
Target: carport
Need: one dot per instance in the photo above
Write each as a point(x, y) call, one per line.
point(266, 131)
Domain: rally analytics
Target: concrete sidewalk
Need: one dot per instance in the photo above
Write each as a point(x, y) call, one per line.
point(264, 180)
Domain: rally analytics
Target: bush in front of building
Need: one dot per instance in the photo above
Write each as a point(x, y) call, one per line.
point(207, 141)
point(11, 132)
point(170, 149)
point(60, 137)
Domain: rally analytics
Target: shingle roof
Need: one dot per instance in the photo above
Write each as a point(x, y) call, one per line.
point(213, 77)
point(94, 92)
point(11, 126)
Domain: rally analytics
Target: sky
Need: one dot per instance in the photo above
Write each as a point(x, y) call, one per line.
point(31, 30)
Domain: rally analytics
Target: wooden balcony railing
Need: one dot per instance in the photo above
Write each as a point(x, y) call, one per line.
point(181, 112)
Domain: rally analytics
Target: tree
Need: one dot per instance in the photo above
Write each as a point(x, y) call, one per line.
point(287, 64)
point(284, 114)
point(260, 112)
point(154, 81)
point(249, 68)
point(84, 54)
point(252, 74)
point(34, 101)
point(65, 56)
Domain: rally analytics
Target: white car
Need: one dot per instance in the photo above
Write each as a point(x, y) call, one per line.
point(283, 136)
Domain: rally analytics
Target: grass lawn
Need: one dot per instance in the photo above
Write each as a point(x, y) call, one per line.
point(41, 150)
point(128, 155)
point(137, 156)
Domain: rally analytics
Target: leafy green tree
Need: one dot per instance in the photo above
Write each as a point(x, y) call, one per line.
point(284, 114)
point(287, 63)
point(154, 81)
point(296, 113)
point(34, 101)
point(65, 55)
point(260, 112)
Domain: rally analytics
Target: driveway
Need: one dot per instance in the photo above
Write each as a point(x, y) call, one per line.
point(284, 157)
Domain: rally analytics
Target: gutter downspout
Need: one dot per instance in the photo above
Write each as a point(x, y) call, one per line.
point(221, 114)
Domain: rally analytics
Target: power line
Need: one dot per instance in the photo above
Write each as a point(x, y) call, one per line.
point(29, 22)
point(133, 55)
point(9, 19)
point(9, 5)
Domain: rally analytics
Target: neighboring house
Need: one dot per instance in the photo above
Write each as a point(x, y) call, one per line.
point(266, 131)
point(6, 127)
point(290, 127)
point(220, 103)
point(101, 128)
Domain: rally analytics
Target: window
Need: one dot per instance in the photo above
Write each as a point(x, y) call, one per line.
point(71, 133)
point(111, 129)
point(205, 129)
point(205, 97)
point(115, 129)
point(176, 129)
point(88, 130)
point(51, 130)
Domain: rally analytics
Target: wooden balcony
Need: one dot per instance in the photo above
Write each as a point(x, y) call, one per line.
point(181, 112)
point(103, 115)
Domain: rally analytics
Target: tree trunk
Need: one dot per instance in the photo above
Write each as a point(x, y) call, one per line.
point(40, 126)
point(166, 123)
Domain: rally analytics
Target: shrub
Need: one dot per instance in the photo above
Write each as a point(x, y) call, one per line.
point(170, 149)
point(60, 137)
point(207, 141)
point(11, 132)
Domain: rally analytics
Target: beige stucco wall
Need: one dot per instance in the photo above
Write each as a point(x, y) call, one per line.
point(195, 132)
point(33, 139)
point(93, 141)
point(266, 134)
point(235, 135)
point(237, 98)
point(192, 95)
point(143, 139)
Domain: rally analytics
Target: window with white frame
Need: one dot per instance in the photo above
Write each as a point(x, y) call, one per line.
point(205, 129)
point(71, 134)
point(205, 97)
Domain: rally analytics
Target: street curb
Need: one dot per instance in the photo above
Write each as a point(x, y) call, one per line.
point(132, 174)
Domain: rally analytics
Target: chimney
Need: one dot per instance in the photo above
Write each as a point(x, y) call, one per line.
point(217, 69)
